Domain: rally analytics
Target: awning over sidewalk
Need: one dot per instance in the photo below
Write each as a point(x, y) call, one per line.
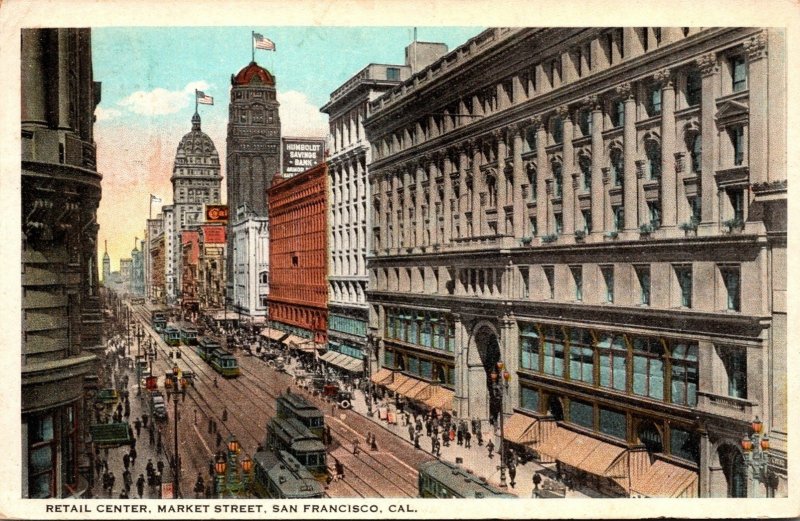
point(441, 398)
point(224, 315)
point(664, 479)
point(555, 443)
point(273, 334)
point(110, 434)
point(398, 380)
point(414, 389)
point(301, 344)
point(346, 362)
point(590, 455)
point(520, 428)
point(382, 377)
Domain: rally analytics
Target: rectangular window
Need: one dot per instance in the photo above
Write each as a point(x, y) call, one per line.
point(425, 368)
point(577, 279)
point(534, 230)
point(529, 399)
point(736, 197)
point(587, 221)
point(426, 332)
point(684, 274)
point(619, 218)
point(613, 361)
point(643, 274)
point(558, 130)
point(549, 273)
point(581, 413)
point(553, 351)
point(392, 73)
point(558, 182)
point(684, 444)
point(388, 358)
point(529, 347)
point(608, 278)
point(613, 423)
point(654, 101)
point(559, 222)
point(648, 367)
point(618, 113)
point(581, 356)
point(738, 73)
point(413, 364)
point(735, 360)
point(731, 278)
point(694, 88)
point(684, 379)
point(737, 140)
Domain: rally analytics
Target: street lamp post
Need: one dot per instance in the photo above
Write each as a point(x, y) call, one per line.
point(755, 446)
point(233, 475)
point(370, 349)
point(179, 387)
point(499, 387)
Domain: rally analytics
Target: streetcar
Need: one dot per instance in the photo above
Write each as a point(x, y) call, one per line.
point(280, 476)
point(291, 405)
point(291, 435)
point(188, 334)
point(158, 317)
point(205, 346)
point(441, 479)
point(171, 335)
point(224, 363)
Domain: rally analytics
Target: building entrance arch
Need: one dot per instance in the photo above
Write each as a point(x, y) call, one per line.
point(482, 358)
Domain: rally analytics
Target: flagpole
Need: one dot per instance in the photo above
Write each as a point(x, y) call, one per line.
point(253, 45)
point(195, 101)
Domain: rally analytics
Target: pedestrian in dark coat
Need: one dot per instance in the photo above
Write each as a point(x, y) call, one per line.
point(199, 486)
point(460, 437)
point(160, 466)
point(428, 427)
point(145, 418)
point(467, 439)
point(111, 480)
point(410, 432)
point(512, 473)
point(445, 439)
point(138, 425)
point(149, 467)
point(416, 441)
point(490, 448)
point(123, 494)
point(132, 452)
point(126, 460)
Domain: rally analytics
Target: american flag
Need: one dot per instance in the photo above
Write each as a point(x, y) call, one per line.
point(203, 99)
point(263, 43)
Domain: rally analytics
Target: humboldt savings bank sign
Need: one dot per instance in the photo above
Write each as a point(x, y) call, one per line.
point(300, 154)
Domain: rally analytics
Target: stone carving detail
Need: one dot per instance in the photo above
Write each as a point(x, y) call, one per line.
point(708, 64)
point(563, 112)
point(640, 163)
point(679, 160)
point(593, 102)
point(664, 78)
point(606, 174)
point(625, 91)
point(536, 121)
point(756, 46)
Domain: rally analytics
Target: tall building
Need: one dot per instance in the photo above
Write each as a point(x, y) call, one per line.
point(298, 253)
point(211, 267)
point(253, 149)
point(137, 269)
point(196, 181)
point(250, 257)
point(603, 211)
point(61, 309)
point(155, 228)
point(106, 263)
point(125, 272)
point(347, 211)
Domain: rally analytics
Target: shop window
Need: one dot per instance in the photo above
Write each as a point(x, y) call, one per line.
point(426, 332)
point(41, 451)
point(581, 356)
point(553, 359)
point(731, 278)
point(529, 347)
point(426, 369)
point(581, 413)
point(648, 367)
point(650, 437)
point(388, 358)
point(608, 278)
point(738, 67)
point(613, 423)
point(529, 399)
point(684, 377)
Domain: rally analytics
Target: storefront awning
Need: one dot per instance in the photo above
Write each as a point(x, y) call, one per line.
point(110, 434)
point(397, 382)
point(415, 389)
point(590, 454)
point(664, 479)
point(346, 362)
point(225, 315)
point(301, 344)
point(382, 377)
point(441, 398)
point(519, 428)
point(273, 334)
point(551, 446)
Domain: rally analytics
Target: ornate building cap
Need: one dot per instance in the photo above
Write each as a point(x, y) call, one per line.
point(253, 74)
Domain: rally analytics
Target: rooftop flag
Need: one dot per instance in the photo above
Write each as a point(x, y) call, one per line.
point(204, 99)
point(265, 44)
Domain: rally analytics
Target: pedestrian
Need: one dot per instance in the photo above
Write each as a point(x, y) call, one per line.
point(145, 418)
point(355, 446)
point(460, 436)
point(475, 425)
point(224, 415)
point(410, 432)
point(98, 465)
point(106, 480)
point(159, 446)
point(111, 480)
point(199, 486)
point(437, 448)
point(537, 479)
point(452, 433)
point(512, 473)
point(123, 494)
point(138, 425)
point(445, 439)
point(374, 444)
point(160, 466)
point(127, 409)
point(328, 433)
point(157, 483)
point(467, 439)
point(215, 382)
point(127, 480)
point(480, 438)
point(416, 440)
point(126, 460)
point(340, 469)
point(490, 448)
point(428, 427)
point(434, 441)
point(149, 467)
point(132, 453)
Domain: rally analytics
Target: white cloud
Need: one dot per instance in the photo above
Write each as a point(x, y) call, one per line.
point(104, 114)
point(299, 117)
point(161, 101)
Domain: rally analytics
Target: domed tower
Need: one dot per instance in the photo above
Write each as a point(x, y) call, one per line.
point(196, 180)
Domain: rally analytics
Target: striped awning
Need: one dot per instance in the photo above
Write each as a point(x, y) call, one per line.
point(558, 439)
point(664, 479)
point(382, 377)
point(346, 362)
point(441, 398)
point(397, 382)
point(273, 334)
point(519, 428)
point(590, 454)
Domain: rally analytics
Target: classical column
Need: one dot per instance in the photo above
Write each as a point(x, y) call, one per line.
point(63, 80)
point(608, 211)
point(515, 136)
point(758, 131)
point(463, 200)
point(33, 86)
point(449, 204)
point(542, 168)
point(567, 167)
point(599, 208)
point(433, 197)
point(669, 203)
point(629, 157)
point(501, 181)
point(477, 186)
point(709, 68)
point(419, 219)
point(384, 186)
point(407, 205)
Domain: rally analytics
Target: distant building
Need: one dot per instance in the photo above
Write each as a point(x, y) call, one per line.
point(190, 264)
point(106, 263)
point(137, 269)
point(125, 272)
point(62, 320)
point(155, 228)
point(298, 251)
point(211, 267)
point(349, 218)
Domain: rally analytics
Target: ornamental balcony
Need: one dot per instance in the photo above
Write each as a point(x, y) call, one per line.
point(727, 406)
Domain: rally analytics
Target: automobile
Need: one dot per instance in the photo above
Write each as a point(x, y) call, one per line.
point(158, 408)
point(268, 355)
point(342, 397)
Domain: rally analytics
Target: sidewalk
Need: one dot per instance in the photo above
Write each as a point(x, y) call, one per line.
point(475, 459)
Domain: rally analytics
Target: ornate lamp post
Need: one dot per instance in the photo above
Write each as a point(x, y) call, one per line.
point(233, 477)
point(499, 388)
point(179, 388)
point(755, 448)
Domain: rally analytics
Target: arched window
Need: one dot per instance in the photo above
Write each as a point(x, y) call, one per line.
point(733, 467)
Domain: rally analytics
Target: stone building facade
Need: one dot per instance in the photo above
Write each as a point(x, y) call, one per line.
point(298, 254)
point(250, 265)
point(61, 337)
point(604, 212)
point(347, 211)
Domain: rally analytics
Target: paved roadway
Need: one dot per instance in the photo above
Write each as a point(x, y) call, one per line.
point(250, 401)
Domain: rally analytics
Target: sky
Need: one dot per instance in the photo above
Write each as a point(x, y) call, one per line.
point(149, 75)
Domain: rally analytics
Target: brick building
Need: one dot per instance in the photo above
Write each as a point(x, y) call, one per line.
point(298, 253)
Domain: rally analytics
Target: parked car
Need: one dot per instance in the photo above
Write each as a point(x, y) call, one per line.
point(158, 408)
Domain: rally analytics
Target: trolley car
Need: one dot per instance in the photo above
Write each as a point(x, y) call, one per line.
point(158, 317)
point(442, 479)
point(171, 335)
point(224, 363)
point(280, 476)
point(188, 334)
point(292, 405)
point(290, 435)
point(205, 346)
